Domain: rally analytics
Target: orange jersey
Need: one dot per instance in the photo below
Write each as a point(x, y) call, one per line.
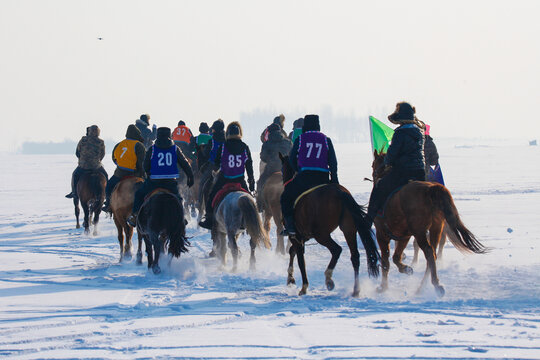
point(125, 155)
point(182, 133)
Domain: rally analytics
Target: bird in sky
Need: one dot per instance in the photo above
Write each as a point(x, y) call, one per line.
point(100, 38)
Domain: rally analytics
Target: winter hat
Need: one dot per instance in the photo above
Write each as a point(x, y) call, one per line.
point(181, 123)
point(234, 131)
point(298, 123)
point(311, 123)
point(163, 133)
point(93, 130)
point(218, 125)
point(404, 112)
point(203, 128)
point(134, 133)
point(145, 118)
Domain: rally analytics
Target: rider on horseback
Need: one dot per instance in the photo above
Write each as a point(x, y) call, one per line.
point(199, 143)
point(233, 159)
point(405, 156)
point(279, 123)
point(297, 129)
point(277, 143)
point(161, 165)
point(148, 135)
point(314, 159)
point(182, 137)
point(90, 151)
point(128, 155)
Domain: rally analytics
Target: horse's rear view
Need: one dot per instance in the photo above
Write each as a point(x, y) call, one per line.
point(91, 194)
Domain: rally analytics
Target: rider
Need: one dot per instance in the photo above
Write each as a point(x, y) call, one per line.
point(314, 159)
point(279, 121)
point(199, 142)
point(297, 129)
point(161, 165)
point(182, 137)
point(430, 151)
point(218, 139)
point(148, 135)
point(128, 155)
point(405, 155)
point(233, 159)
point(276, 143)
point(90, 151)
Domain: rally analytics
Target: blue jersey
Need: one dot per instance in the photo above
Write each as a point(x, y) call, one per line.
point(164, 163)
point(214, 150)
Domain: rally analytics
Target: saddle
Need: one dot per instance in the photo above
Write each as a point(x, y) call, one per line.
point(155, 192)
point(307, 192)
point(225, 190)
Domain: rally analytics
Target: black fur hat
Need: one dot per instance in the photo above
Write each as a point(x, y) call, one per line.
point(203, 128)
point(218, 125)
point(163, 133)
point(145, 118)
point(404, 112)
point(311, 123)
point(181, 122)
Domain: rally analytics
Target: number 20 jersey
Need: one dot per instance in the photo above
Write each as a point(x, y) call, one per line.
point(313, 151)
point(163, 163)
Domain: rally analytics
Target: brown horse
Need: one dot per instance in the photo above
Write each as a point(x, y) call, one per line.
point(121, 205)
point(415, 209)
point(91, 194)
point(271, 194)
point(319, 213)
point(440, 248)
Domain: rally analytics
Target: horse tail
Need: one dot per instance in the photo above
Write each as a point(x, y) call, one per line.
point(253, 221)
point(459, 235)
point(363, 227)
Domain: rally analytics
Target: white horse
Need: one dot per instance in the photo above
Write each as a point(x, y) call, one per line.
point(236, 212)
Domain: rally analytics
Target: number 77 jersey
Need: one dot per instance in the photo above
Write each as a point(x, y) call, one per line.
point(313, 151)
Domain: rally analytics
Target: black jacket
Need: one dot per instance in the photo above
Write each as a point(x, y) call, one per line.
point(236, 147)
point(332, 160)
point(406, 151)
point(181, 159)
point(430, 151)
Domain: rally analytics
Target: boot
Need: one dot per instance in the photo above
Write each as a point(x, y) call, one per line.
point(106, 206)
point(208, 221)
point(290, 227)
point(70, 195)
point(132, 220)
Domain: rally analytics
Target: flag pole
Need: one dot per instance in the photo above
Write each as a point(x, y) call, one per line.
point(371, 134)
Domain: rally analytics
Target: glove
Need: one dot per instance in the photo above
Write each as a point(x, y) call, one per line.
point(251, 185)
point(190, 181)
point(154, 127)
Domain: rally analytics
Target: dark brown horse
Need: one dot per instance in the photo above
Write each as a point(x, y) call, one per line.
point(419, 207)
point(121, 205)
point(91, 194)
point(319, 213)
point(161, 224)
point(271, 194)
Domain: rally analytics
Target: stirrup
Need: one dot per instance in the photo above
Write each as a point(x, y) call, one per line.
point(132, 220)
point(206, 223)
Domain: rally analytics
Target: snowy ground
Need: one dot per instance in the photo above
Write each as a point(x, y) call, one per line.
point(64, 294)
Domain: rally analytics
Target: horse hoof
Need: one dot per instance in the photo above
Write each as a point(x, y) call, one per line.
point(302, 292)
point(139, 259)
point(439, 290)
point(381, 289)
point(291, 281)
point(156, 269)
point(356, 294)
point(407, 270)
point(212, 254)
point(77, 226)
point(127, 256)
point(330, 285)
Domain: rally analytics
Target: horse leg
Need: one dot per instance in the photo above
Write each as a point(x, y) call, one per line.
point(384, 246)
point(77, 211)
point(416, 250)
point(290, 270)
point(231, 236)
point(442, 241)
point(349, 230)
point(139, 250)
point(149, 251)
point(398, 255)
point(300, 248)
point(86, 211)
point(127, 244)
point(276, 214)
point(335, 250)
point(429, 253)
point(120, 237)
point(97, 211)
point(157, 251)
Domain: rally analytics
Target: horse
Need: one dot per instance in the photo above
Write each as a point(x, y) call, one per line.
point(413, 210)
point(91, 194)
point(203, 187)
point(271, 194)
point(161, 224)
point(235, 212)
point(121, 205)
point(317, 214)
point(440, 247)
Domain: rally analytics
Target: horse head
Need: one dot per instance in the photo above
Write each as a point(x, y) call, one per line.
point(378, 167)
point(286, 168)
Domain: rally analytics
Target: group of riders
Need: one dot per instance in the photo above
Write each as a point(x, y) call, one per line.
point(158, 155)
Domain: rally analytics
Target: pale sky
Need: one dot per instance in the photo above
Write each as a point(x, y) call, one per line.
point(471, 68)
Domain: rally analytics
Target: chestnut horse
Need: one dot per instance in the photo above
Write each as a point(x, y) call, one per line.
point(271, 193)
point(121, 205)
point(415, 209)
point(91, 194)
point(161, 224)
point(320, 212)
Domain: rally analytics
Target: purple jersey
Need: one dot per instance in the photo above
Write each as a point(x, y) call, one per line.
point(233, 166)
point(313, 151)
point(163, 163)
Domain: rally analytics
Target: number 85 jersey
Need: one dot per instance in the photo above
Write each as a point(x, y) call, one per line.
point(313, 151)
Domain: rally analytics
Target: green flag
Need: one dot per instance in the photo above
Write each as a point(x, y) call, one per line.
point(381, 134)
